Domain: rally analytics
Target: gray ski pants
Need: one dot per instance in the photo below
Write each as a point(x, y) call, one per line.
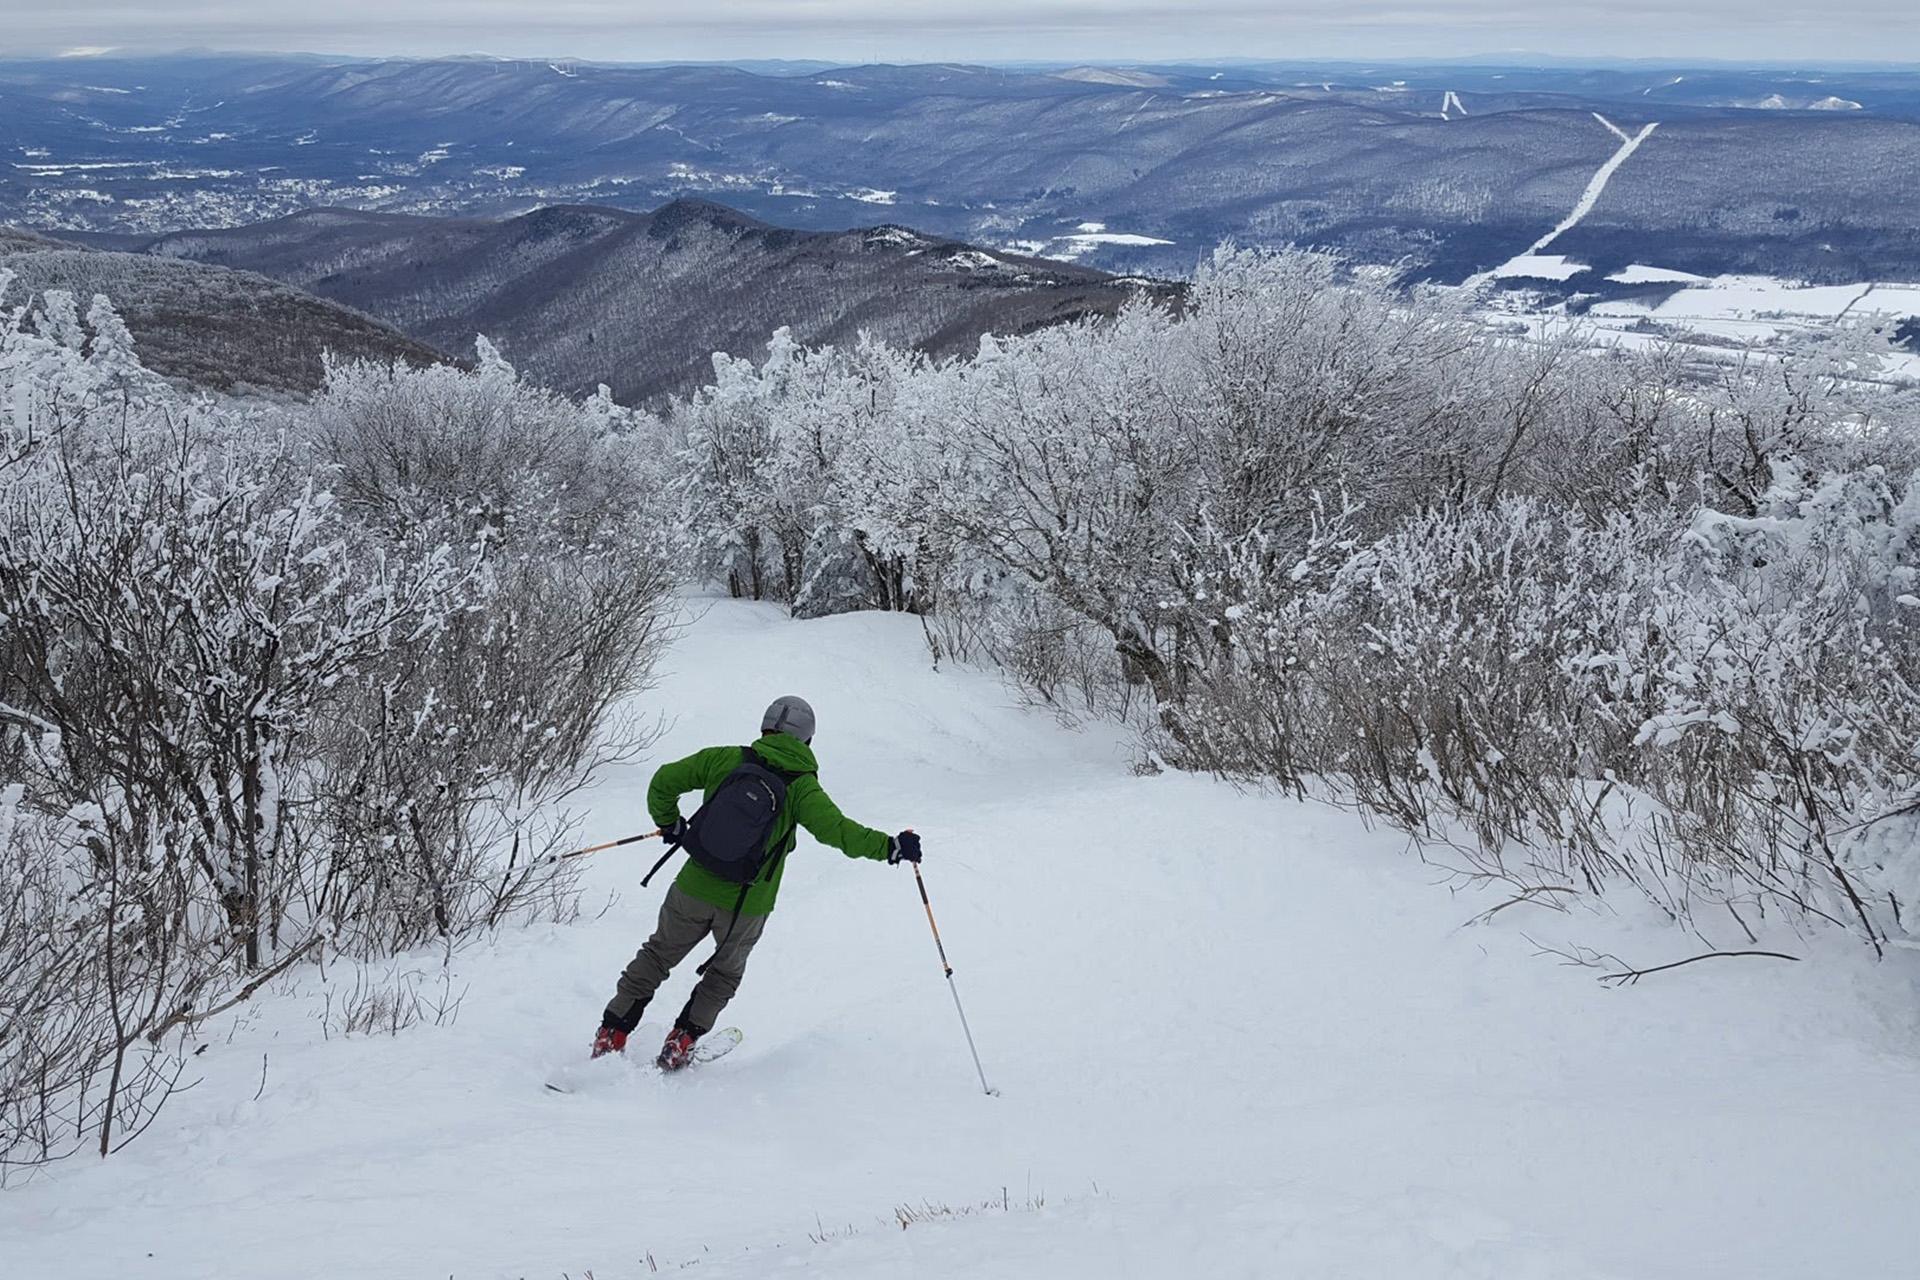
point(686, 922)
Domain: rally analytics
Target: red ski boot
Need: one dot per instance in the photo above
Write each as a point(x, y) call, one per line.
point(677, 1051)
point(609, 1040)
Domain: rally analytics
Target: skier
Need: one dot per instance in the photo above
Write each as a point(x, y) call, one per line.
point(737, 847)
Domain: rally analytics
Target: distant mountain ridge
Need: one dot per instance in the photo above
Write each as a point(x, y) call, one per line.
point(207, 326)
point(1454, 168)
point(577, 296)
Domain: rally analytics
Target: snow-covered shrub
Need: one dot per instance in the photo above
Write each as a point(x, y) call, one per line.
point(1716, 713)
point(471, 455)
point(171, 605)
point(91, 954)
point(1254, 604)
point(1826, 406)
point(1066, 468)
point(1777, 671)
point(800, 478)
point(1054, 657)
point(1435, 677)
point(516, 698)
point(242, 717)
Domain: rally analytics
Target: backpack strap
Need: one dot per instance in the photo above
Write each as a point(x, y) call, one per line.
point(671, 850)
point(732, 924)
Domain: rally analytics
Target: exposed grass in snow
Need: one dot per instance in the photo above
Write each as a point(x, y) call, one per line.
point(1235, 1035)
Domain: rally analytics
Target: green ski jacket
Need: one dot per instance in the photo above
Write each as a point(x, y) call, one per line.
point(807, 806)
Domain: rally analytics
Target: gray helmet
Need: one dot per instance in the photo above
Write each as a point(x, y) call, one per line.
point(789, 715)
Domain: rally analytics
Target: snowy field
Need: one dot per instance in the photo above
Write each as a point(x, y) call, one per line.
point(1722, 314)
point(1084, 239)
point(1761, 307)
point(1236, 1036)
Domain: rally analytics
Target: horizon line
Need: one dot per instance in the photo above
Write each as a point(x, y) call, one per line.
point(1494, 58)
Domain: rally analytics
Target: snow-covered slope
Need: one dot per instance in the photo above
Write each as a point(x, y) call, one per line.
point(1236, 1036)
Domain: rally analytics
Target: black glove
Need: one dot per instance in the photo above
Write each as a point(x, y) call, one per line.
point(904, 847)
point(674, 832)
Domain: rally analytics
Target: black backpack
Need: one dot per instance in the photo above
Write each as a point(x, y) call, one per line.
point(732, 834)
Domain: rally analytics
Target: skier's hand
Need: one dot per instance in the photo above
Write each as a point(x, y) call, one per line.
point(904, 847)
point(674, 832)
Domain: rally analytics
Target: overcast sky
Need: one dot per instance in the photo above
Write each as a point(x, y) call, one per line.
point(979, 30)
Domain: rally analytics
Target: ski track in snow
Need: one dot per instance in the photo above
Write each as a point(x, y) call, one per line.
point(1236, 1036)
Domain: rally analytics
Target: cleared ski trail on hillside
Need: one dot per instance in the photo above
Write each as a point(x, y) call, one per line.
point(1236, 1036)
point(1596, 187)
point(1613, 128)
point(1598, 183)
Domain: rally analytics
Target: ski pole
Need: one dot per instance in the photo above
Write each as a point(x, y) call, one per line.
point(944, 964)
point(527, 871)
point(552, 858)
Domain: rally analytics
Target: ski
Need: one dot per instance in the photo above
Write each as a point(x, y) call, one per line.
point(572, 1077)
point(716, 1045)
point(713, 1045)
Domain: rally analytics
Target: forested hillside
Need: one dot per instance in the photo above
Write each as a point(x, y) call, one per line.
point(208, 327)
point(580, 296)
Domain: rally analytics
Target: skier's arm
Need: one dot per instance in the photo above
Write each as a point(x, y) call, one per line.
point(696, 772)
point(823, 820)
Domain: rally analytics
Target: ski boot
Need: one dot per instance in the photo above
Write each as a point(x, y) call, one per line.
point(609, 1040)
point(677, 1052)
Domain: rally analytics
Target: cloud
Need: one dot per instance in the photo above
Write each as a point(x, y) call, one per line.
point(983, 29)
